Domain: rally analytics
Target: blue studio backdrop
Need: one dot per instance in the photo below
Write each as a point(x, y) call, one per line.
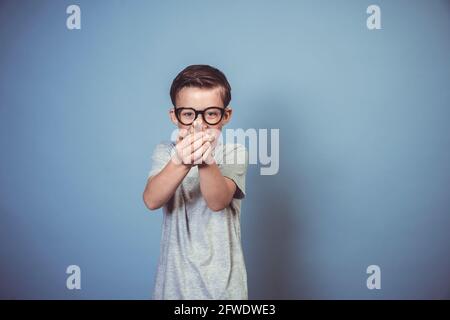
point(363, 116)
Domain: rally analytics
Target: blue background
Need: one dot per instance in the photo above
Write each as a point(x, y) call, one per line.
point(364, 153)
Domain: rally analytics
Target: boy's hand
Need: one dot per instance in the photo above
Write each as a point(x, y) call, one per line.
point(208, 155)
point(191, 147)
point(209, 144)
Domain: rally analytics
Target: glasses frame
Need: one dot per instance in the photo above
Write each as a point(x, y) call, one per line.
point(197, 112)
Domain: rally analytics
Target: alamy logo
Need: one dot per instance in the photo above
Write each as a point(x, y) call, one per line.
point(258, 147)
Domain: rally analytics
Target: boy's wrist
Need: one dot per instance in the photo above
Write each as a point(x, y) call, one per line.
point(208, 163)
point(178, 163)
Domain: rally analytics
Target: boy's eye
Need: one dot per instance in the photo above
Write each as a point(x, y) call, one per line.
point(213, 114)
point(187, 114)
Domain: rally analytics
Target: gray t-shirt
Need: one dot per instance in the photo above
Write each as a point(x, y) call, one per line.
point(201, 255)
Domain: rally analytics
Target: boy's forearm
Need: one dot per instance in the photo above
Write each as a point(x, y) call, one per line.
point(161, 187)
point(217, 191)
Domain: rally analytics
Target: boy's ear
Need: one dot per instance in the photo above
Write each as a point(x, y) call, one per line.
point(172, 116)
point(227, 115)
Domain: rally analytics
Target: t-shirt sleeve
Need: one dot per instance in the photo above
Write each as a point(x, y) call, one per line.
point(234, 166)
point(160, 157)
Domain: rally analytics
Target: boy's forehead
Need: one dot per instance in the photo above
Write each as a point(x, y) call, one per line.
point(199, 98)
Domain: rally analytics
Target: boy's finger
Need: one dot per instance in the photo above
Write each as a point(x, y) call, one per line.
point(210, 137)
point(182, 134)
point(197, 156)
point(191, 148)
point(191, 138)
point(207, 152)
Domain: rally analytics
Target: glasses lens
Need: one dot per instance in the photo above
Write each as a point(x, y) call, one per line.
point(186, 116)
point(213, 115)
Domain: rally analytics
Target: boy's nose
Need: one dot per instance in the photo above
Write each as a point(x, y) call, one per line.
point(198, 124)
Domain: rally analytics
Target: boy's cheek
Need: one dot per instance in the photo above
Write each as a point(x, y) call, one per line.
point(183, 127)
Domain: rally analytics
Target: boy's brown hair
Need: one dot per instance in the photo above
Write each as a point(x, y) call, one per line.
point(201, 76)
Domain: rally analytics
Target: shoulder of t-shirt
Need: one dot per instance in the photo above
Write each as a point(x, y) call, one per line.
point(165, 146)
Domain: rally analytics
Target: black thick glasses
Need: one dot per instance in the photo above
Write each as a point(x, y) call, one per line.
point(211, 115)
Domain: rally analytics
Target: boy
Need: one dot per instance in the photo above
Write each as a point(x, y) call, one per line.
point(199, 188)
